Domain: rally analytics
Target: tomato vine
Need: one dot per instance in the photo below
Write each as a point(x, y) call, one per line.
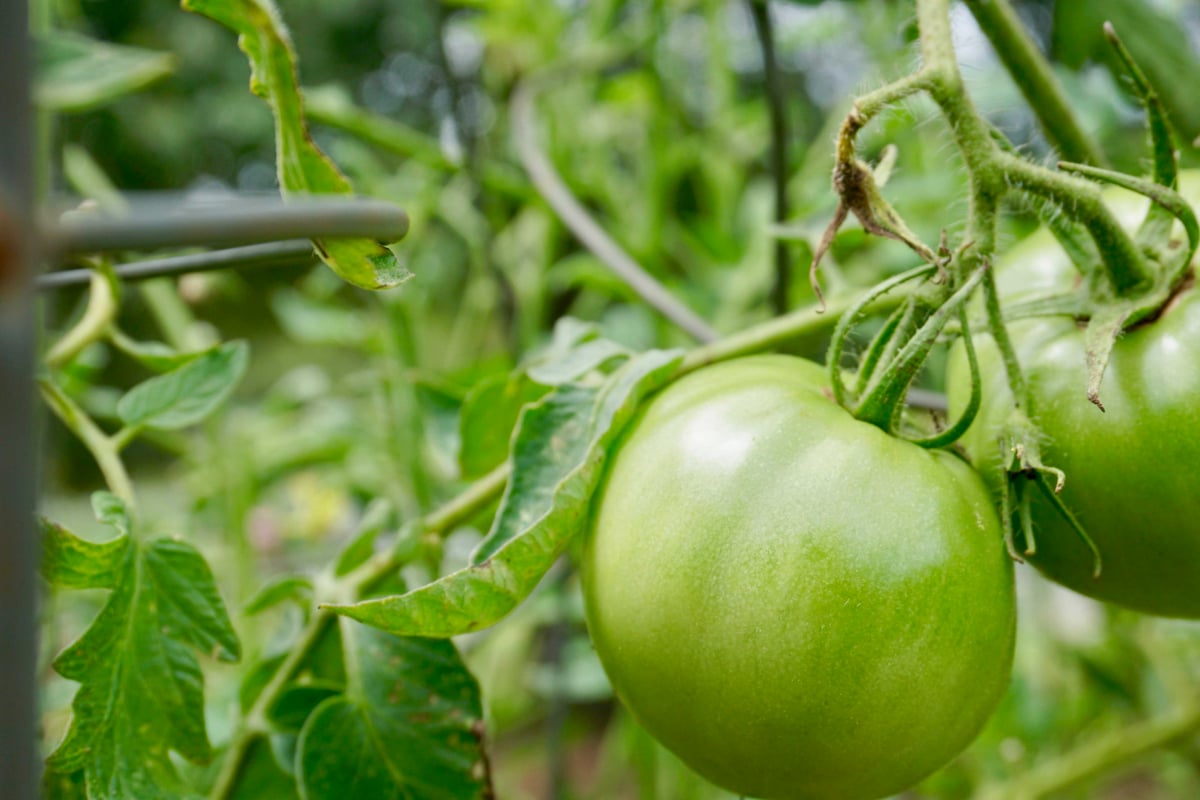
point(570, 404)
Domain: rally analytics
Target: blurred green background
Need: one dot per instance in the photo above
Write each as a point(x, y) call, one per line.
point(657, 118)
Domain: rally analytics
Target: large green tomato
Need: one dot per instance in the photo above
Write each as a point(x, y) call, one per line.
point(795, 603)
point(1133, 471)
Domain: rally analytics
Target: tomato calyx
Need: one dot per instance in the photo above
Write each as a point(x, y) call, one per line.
point(895, 356)
point(1181, 290)
point(1118, 301)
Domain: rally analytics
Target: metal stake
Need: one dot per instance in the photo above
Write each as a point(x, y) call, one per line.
point(18, 644)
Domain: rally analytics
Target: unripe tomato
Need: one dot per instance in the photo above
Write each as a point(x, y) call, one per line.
point(1132, 471)
point(795, 603)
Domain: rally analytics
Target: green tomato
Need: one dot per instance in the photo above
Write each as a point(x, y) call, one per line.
point(1132, 470)
point(793, 602)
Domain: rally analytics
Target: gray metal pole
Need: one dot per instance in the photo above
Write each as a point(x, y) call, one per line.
point(18, 741)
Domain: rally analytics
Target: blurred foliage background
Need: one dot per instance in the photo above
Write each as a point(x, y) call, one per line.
point(655, 112)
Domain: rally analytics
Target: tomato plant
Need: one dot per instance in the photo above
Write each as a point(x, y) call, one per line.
point(796, 603)
point(1128, 467)
point(546, 409)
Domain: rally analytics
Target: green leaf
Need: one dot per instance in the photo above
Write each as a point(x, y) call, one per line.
point(488, 416)
point(287, 588)
point(297, 702)
point(378, 517)
point(569, 338)
point(319, 321)
point(75, 73)
point(491, 408)
point(141, 692)
point(157, 356)
point(261, 777)
point(558, 458)
point(70, 562)
point(575, 364)
point(409, 727)
point(188, 394)
point(57, 786)
point(303, 168)
point(110, 510)
point(283, 751)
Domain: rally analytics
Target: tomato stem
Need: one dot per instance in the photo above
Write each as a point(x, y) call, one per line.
point(1034, 77)
point(1104, 754)
point(104, 448)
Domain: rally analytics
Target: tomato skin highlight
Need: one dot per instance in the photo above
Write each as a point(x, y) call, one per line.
point(1132, 471)
point(796, 604)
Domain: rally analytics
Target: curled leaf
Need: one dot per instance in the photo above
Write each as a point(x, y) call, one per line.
point(557, 462)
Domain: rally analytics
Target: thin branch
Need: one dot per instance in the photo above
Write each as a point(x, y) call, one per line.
point(98, 443)
point(255, 724)
point(760, 12)
point(556, 193)
point(1037, 82)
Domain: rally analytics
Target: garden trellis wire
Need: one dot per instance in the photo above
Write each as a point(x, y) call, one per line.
point(254, 232)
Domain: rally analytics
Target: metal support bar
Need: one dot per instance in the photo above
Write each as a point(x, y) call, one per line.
point(170, 221)
point(18, 545)
point(274, 254)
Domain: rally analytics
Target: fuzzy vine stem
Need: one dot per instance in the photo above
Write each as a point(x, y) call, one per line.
point(1037, 82)
point(993, 172)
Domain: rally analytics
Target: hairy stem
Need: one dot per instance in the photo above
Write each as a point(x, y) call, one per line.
point(1037, 82)
point(1126, 269)
point(981, 230)
point(995, 172)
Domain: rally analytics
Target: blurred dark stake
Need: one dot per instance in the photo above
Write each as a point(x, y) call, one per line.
point(18, 739)
point(760, 11)
point(485, 201)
